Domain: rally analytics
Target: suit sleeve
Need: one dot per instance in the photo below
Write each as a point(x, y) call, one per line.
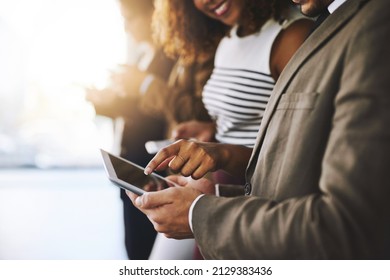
point(349, 217)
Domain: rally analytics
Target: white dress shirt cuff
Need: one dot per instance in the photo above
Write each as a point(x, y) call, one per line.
point(191, 209)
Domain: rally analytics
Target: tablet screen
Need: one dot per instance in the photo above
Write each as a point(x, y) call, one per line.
point(134, 175)
point(131, 176)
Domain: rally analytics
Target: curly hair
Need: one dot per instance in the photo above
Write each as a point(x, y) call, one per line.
point(184, 31)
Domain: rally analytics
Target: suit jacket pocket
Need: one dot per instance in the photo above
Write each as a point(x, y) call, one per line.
point(297, 101)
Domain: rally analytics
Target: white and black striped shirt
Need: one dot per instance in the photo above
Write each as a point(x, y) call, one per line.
point(236, 99)
point(241, 84)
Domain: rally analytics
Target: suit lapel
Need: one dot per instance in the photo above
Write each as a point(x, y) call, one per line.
point(333, 24)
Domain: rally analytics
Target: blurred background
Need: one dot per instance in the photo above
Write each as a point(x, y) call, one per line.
point(55, 201)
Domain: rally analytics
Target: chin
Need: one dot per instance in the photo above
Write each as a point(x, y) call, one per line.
point(310, 11)
point(315, 7)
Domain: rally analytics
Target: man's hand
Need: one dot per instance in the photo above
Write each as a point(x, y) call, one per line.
point(203, 185)
point(168, 210)
point(196, 159)
point(190, 158)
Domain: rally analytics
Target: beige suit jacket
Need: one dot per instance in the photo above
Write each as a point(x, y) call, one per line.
point(320, 171)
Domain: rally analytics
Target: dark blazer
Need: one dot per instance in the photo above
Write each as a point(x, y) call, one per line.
point(319, 174)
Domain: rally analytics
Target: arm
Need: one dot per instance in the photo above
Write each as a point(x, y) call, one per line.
point(168, 210)
point(127, 84)
point(104, 101)
point(195, 159)
point(287, 43)
point(348, 218)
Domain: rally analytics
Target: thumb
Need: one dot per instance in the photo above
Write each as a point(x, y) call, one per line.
point(153, 199)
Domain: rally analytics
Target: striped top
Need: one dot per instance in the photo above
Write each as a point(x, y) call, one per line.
point(241, 84)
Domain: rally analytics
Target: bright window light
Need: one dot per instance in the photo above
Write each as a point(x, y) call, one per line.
point(66, 45)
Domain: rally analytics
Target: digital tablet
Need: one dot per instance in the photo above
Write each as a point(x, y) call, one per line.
point(130, 176)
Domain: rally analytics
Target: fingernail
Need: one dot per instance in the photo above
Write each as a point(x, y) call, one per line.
point(147, 170)
point(138, 201)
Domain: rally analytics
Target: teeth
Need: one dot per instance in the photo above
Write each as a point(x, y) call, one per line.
point(221, 9)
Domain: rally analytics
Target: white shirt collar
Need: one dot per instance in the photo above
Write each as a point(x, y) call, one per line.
point(334, 5)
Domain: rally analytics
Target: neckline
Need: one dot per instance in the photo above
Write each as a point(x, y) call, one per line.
point(234, 30)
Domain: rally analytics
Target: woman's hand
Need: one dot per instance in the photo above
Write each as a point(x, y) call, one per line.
point(201, 131)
